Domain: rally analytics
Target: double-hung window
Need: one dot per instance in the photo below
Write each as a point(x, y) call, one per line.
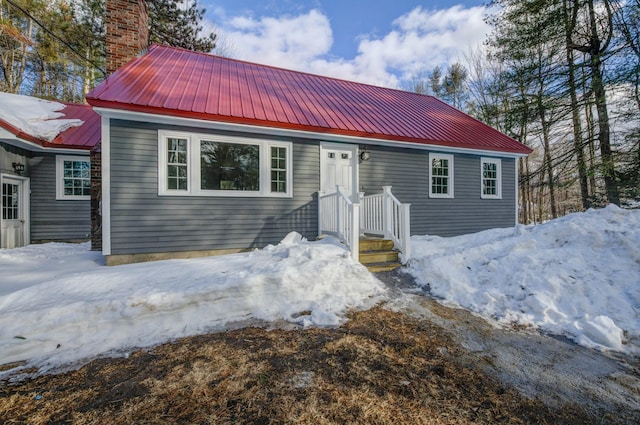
point(212, 165)
point(440, 175)
point(491, 178)
point(73, 178)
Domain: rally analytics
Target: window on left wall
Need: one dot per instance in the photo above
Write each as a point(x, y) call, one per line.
point(212, 165)
point(73, 178)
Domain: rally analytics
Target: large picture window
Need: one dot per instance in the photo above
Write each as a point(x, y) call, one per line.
point(229, 166)
point(206, 165)
point(440, 175)
point(73, 178)
point(491, 177)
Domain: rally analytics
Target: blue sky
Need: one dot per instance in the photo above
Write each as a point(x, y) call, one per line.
point(378, 42)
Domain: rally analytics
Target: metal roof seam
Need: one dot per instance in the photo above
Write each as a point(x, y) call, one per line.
point(319, 102)
point(314, 117)
point(199, 97)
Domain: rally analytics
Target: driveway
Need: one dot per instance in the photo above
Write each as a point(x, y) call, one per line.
point(549, 367)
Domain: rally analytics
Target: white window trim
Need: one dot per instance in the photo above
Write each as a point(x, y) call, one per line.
point(498, 163)
point(448, 157)
point(193, 161)
point(60, 196)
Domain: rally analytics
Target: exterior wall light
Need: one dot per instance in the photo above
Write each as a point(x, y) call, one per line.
point(365, 155)
point(18, 168)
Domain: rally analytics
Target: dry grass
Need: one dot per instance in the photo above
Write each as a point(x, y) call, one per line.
point(380, 368)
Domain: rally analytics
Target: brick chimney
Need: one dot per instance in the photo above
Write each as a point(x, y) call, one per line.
point(127, 31)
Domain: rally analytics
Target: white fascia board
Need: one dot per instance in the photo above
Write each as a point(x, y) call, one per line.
point(283, 132)
point(11, 139)
point(105, 208)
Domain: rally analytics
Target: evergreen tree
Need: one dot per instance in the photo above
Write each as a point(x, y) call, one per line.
point(179, 23)
point(56, 48)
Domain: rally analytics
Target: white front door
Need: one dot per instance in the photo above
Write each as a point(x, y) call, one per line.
point(14, 217)
point(338, 166)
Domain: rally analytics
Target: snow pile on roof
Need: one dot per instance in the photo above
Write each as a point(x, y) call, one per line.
point(74, 315)
point(36, 117)
point(577, 276)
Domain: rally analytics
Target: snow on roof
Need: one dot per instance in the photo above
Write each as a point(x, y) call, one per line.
point(35, 117)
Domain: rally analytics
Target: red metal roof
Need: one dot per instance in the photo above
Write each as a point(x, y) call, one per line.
point(83, 137)
point(178, 82)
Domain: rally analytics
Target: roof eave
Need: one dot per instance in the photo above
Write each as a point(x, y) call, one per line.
point(27, 142)
point(98, 103)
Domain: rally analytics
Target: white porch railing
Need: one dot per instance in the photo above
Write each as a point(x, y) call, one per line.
point(382, 214)
point(340, 217)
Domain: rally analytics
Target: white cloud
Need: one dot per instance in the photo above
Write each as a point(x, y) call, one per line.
point(288, 41)
point(419, 39)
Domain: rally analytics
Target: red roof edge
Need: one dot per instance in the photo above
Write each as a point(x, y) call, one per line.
point(21, 134)
point(286, 126)
point(89, 131)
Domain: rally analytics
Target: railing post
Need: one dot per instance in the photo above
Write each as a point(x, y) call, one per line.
point(320, 213)
point(362, 212)
point(387, 215)
point(355, 232)
point(406, 230)
point(338, 218)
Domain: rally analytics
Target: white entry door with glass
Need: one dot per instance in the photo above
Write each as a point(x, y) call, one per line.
point(338, 166)
point(14, 215)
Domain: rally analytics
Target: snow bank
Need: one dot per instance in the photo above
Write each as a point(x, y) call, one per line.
point(577, 276)
point(36, 117)
point(80, 315)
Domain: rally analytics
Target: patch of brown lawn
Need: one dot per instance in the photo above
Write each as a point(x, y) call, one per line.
point(379, 368)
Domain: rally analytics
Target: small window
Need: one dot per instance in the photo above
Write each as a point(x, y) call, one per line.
point(491, 178)
point(177, 166)
point(278, 169)
point(73, 178)
point(440, 175)
point(10, 206)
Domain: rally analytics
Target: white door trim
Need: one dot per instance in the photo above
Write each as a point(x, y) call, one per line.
point(326, 146)
point(25, 204)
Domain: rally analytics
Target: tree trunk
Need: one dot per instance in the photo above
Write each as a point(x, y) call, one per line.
point(540, 199)
point(575, 115)
point(592, 156)
point(604, 132)
point(527, 170)
point(548, 164)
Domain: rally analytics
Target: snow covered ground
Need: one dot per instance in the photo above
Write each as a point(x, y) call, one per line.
point(577, 276)
point(71, 308)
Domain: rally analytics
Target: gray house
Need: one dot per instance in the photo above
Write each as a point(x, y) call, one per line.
point(44, 170)
point(203, 154)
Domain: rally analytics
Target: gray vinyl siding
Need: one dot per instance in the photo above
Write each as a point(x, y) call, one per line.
point(53, 220)
point(407, 171)
point(143, 222)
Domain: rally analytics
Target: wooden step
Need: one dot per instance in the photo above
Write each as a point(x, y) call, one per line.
point(376, 245)
point(383, 267)
point(369, 257)
point(378, 255)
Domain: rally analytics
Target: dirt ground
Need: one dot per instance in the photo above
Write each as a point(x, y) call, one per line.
point(408, 361)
